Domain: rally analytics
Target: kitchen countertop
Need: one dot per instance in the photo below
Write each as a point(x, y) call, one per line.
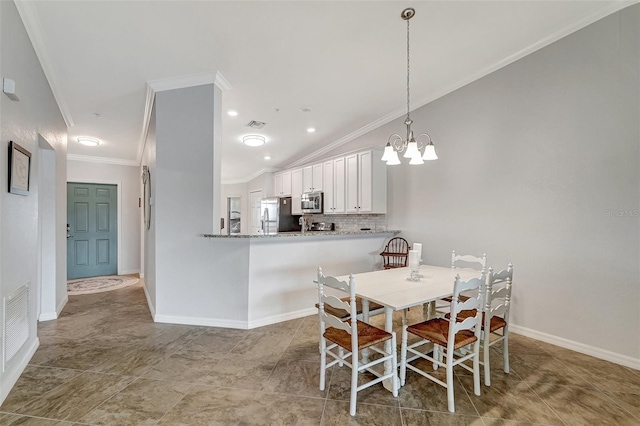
point(304, 234)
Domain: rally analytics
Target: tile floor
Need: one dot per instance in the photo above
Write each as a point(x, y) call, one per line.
point(104, 362)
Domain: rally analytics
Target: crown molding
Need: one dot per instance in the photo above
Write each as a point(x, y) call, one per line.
point(102, 160)
point(562, 32)
point(192, 80)
point(32, 25)
point(251, 177)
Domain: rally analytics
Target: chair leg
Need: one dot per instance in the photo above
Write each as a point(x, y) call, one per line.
point(476, 367)
point(394, 364)
point(341, 355)
point(323, 363)
point(505, 349)
point(436, 355)
point(354, 384)
point(487, 368)
point(403, 355)
point(450, 397)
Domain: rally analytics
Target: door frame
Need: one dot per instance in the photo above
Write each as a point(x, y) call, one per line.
point(118, 184)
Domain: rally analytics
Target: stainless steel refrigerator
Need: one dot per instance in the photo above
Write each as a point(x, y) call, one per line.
point(277, 217)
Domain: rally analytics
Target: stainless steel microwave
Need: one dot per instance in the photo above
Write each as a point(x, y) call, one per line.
point(312, 202)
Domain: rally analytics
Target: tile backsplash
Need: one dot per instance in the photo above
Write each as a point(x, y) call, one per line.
point(352, 222)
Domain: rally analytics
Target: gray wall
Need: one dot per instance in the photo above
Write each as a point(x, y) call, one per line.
point(36, 113)
point(186, 201)
point(539, 166)
point(148, 263)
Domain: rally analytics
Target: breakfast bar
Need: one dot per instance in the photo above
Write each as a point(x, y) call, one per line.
point(257, 280)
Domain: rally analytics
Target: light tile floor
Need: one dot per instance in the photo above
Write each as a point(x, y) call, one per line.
point(105, 362)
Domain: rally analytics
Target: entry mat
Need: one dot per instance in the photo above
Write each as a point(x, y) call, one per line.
point(99, 284)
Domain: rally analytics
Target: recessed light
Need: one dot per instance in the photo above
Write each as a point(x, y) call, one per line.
point(253, 140)
point(266, 157)
point(232, 113)
point(311, 130)
point(88, 141)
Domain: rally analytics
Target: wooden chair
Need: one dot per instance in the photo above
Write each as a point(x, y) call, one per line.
point(395, 254)
point(352, 336)
point(495, 317)
point(450, 337)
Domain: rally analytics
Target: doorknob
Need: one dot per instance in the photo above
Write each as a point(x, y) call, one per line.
point(69, 230)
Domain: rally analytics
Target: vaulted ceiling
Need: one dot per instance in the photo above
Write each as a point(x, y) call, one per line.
point(343, 61)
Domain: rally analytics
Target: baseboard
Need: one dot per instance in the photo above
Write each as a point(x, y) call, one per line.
point(627, 361)
point(129, 272)
point(12, 377)
point(282, 317)
point(152, 309)
point(244, 325)
point(208, 322)
point(48, 316)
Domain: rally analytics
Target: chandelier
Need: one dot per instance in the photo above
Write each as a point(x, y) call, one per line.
point(411, 145)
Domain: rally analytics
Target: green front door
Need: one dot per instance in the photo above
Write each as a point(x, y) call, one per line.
point(92, 236)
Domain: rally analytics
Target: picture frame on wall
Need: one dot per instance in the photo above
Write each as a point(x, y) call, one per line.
point(19, 169)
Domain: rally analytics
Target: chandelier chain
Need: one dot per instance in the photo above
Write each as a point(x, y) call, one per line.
point(408, 68)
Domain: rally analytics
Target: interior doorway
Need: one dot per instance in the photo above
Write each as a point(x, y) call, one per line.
point(92, 230)
point(255, 198)
point(234, 214)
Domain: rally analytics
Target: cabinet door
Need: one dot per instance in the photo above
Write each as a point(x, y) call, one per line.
point(286, 184)
point(351, 164)
point(365, 182)
point(277, 184)
point(296, 191)
point(328, 185)
point(339, 186)
point(307, 179)
point(317, 181)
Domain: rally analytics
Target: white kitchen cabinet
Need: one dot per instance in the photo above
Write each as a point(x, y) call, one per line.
point(366, 183)
point(282, 184)
point(296, 191)
point(312, 178)
point(334, 186)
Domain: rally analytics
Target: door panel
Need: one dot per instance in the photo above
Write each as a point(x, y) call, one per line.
point(92, 235)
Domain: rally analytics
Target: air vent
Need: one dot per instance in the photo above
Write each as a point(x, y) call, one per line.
point(16, 322)
point(256, 124)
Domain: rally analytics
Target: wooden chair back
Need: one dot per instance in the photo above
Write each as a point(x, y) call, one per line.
point(395, 253)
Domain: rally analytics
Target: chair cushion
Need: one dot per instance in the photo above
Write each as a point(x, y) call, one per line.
point(368, 335)
point(437, 331)
point(496, 322)
point(342, 314)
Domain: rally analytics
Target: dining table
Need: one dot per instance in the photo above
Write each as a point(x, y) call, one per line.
point(393, 289)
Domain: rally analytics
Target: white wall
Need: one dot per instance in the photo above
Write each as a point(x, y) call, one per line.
point(539, 166)
point(128, 180)
point(35, 114)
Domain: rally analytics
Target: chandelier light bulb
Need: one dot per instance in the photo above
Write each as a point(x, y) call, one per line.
point(412, 150)
point(388, 152)
point(394, 160)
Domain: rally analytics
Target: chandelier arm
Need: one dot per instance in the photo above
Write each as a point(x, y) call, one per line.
point(396, 141)
point(420, 144)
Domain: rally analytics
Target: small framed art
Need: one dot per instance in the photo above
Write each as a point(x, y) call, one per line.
point(19, 169)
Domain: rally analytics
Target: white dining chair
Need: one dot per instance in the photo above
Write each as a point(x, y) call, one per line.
point(495, 318)
point(458, 261)
point(448, 337)
point(352, 336)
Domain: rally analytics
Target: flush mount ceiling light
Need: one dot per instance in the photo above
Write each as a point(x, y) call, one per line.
point(253, 140)
point(396, 144)
point(311, 130)
point(266, 157)
point(88, 141)
point(232, 113)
